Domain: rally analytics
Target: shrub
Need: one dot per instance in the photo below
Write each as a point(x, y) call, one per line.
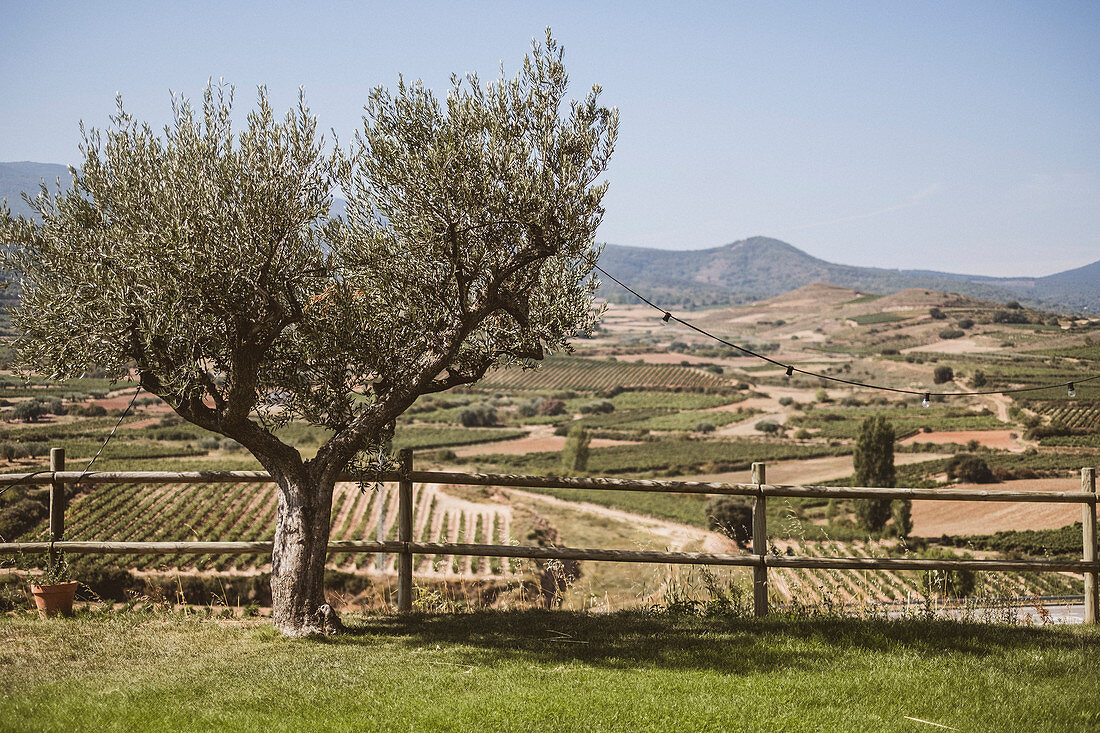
point(943, 374)
point(978, 380)
point(1010, 317)
point(786, 400)
point(20, 517)
point(552, 407)
point(1055, 428)
point(13, 450)
point(90, 410)
point(966, 323)
point(731, 516)
point(28, 411)
point(530, 408)
point(821, 395)
point(109, 583)
point(969, 469)
point(704, 426)
point(1008, 474)
point(477, 416)
point(937, 314)
point(597, 407)
point(951, 333)
point(947, 583)
point(768, 427)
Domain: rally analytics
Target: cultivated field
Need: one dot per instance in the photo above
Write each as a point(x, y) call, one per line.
point(655, 402)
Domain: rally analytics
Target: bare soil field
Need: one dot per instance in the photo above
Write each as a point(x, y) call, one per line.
point(673, 357)
point(121, 402)
point(998, 439)
point(934, 518)
point(809, 471)
point(541, 439)
point(958, 346)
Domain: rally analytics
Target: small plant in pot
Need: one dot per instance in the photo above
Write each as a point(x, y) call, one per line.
point(52, 588)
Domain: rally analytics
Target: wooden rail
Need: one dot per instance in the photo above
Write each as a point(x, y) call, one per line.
point(759, 560)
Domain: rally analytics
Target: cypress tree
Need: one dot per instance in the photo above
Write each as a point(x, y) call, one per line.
point(574, 456)
point(874, 466)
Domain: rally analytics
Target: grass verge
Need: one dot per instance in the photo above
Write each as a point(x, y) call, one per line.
point(546, 670)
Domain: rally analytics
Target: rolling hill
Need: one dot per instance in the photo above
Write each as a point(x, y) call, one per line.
point(761, 267)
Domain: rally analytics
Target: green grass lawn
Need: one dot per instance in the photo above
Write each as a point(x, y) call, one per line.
point(546, 671)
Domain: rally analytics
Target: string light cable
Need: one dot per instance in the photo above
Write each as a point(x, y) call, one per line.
point(790, 369)
point(118, 424)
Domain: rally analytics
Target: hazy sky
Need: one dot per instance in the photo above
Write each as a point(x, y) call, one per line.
point(960, 136)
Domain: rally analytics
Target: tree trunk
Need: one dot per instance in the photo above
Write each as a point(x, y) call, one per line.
point(299, 555)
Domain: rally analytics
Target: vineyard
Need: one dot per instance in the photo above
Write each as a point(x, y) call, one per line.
point(824, 587)
point(592, 375)
point(246, 512)
point(1072, 416)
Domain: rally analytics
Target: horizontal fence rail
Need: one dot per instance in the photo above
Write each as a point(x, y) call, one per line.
point(558, 482)
point(562, 553)
point(759, 490)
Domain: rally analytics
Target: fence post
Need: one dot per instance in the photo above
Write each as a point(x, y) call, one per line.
point(1088, 537)
point(404, 531)
point(57, 496)
point(759, 544)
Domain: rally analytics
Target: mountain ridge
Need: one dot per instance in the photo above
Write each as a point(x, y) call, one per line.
point(744, 271)
point(759, 267)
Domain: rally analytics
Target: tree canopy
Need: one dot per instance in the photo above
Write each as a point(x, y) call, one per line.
point(206, 259)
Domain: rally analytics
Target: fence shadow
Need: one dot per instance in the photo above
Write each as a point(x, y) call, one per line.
point(737, 646)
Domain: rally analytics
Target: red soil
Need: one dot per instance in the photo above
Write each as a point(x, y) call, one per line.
point(999, 439)
point(934, 518)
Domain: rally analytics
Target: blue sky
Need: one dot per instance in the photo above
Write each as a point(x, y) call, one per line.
point(960, 136)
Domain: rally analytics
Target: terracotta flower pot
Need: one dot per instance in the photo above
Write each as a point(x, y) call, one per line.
point(54, 599)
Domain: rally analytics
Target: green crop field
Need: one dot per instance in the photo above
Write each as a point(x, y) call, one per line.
point(840, 423)
point(1073, 416)
point(591, 375)
point(881, 317)
point(677, 457)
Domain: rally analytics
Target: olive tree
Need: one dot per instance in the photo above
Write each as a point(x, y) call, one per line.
point(205, 264)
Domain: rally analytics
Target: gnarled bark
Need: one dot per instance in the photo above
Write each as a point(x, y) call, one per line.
point(299, 555)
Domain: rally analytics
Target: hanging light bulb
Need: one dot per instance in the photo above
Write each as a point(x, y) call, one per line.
point(927, 401)
point(1072, 390)
point(790, 371)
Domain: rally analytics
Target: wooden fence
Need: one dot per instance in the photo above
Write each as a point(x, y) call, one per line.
point(759, 490)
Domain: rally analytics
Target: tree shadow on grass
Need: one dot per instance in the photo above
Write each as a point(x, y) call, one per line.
point(727, 645)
